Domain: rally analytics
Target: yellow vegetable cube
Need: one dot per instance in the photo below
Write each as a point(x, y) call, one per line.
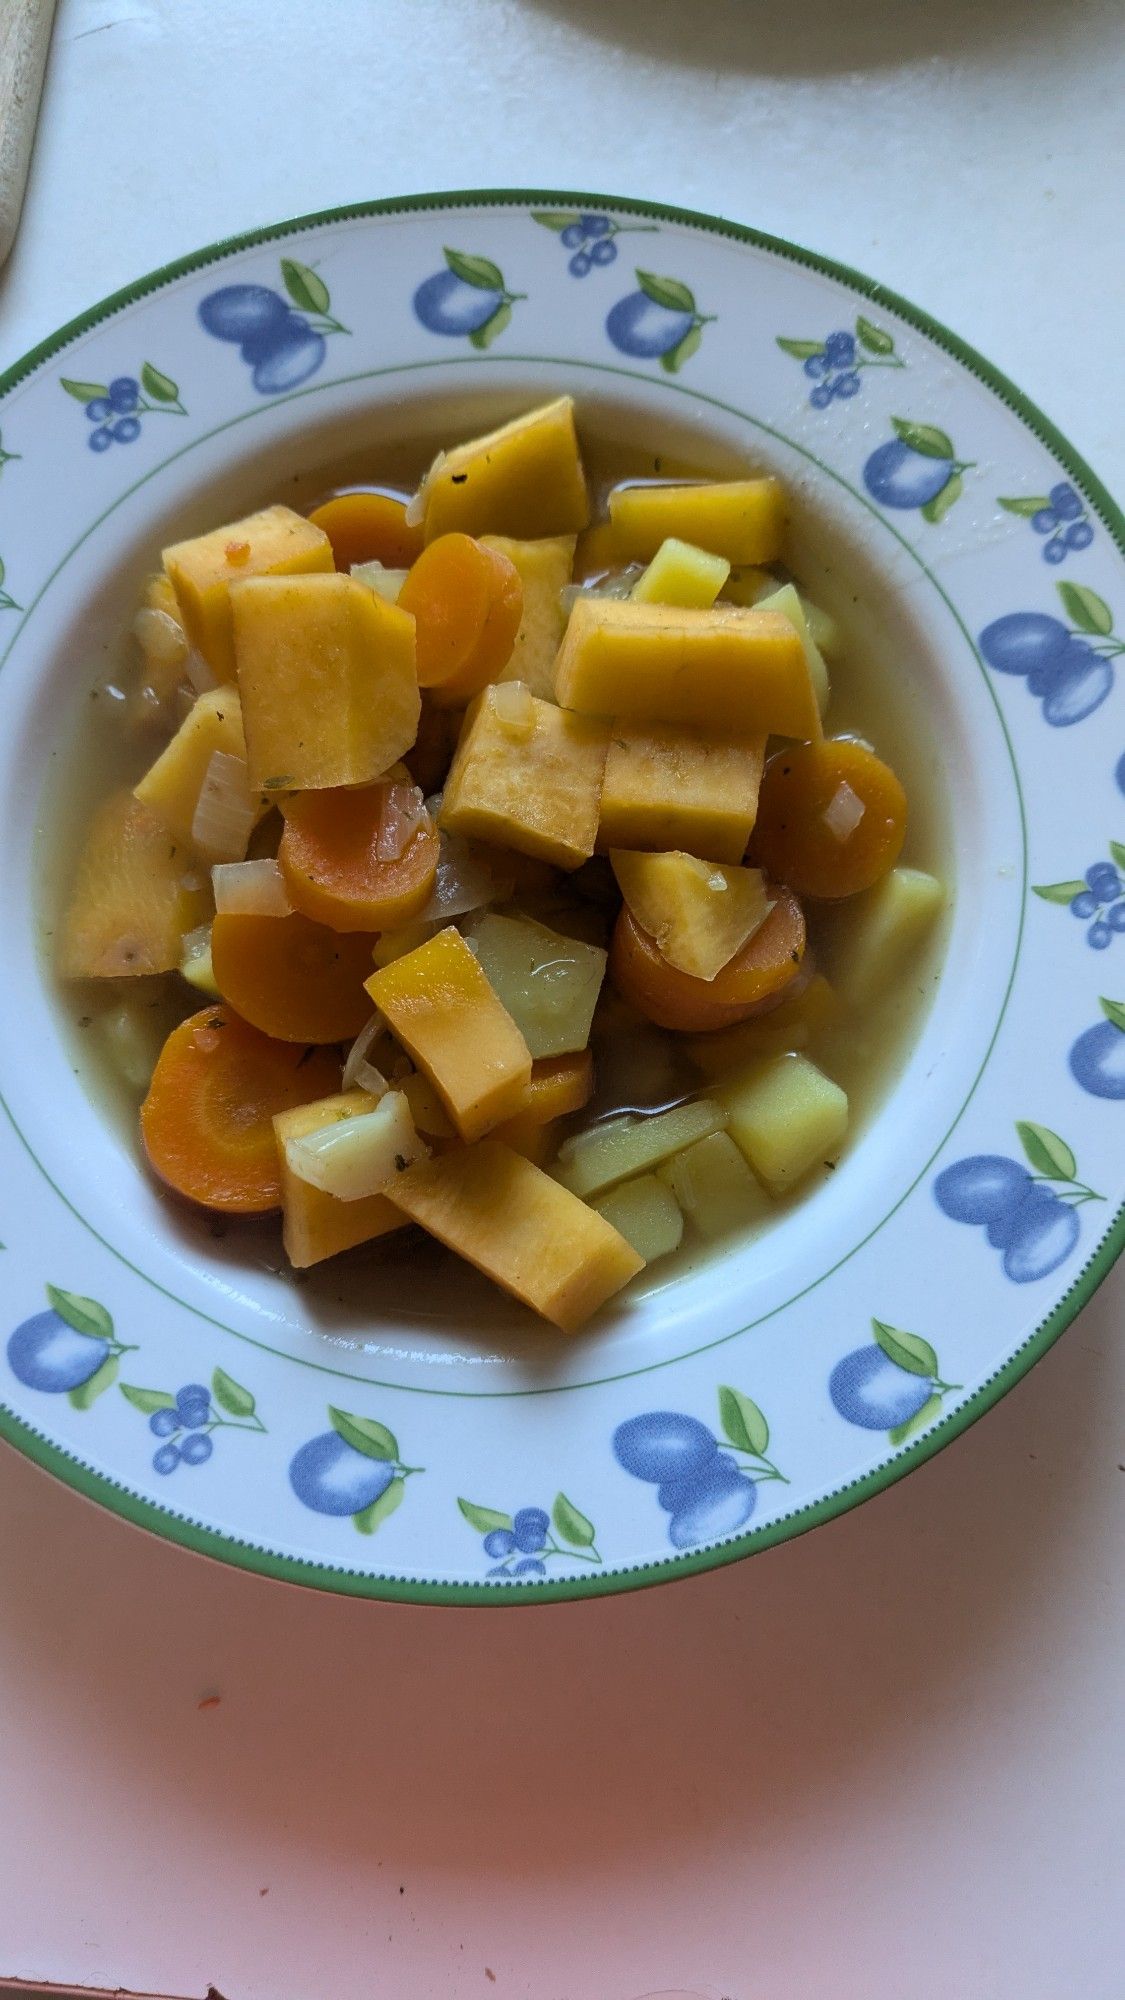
point(525, 479)
point(741, 519)
point(884, 927)
point(655, 663)
point(787, 1028)
point(541, 799)
point(318, 1225)
point(549, 984)
point(787, 1117)
point(714, 1186)
point(521, 1229)
point(616, 1151)
point(327, 678)
point(790, 606)
point(668, 787)
point(135, 896)
point(274, 542)
point(699, 913)
point(747, 584)
point(544, 567)
point(172, 785)
point(426, 1108)
point(646, 1213)
point(679, 573)
point(440, 1006)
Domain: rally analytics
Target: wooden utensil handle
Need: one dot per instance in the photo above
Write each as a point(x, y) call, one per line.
point(25, 32)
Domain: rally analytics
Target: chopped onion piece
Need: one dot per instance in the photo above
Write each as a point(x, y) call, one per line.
point(383, 581)
point(401, 818)
point(356, 1157)
point(843, 812)
point(198, 672)
point(361, 1049)
point(225, 810)
point(250, 889)
point(195, 960)
point(370, 1079)
point(619, 583)
point(514, 710)
point(464, 881)
point(161, 637)
point(416, 505)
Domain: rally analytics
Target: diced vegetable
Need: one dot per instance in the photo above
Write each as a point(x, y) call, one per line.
point(250, 889)
point(226, 810)
point(469, 877)
point(623, 1147)
point(680, 573)
point(326, 674)
point(195, 961)
point(667, 787)
point(747, 585)
point(295, 980)
point(466, 601)
point(741, 519)
point(133, 899)
point(172, 786)
point(787, 1117)
point(353, 1158)
point(697, 913)
point(646, 1213)
point(558, 1085)
point(274, 542)
point(766, 964)
point(543, 802)
point(317, 1225)
point(395, 944)
point(386, 583)
point(442, 1009)
point(359, 858)
point(831, 818)
point(524, 480)
point(790, 606)
point(823, 629)
point(549, 984)
point(164, 651)
point(426, 1108)
point(544, 568)
point(366, 526)
point(885, 927)
point(521, 1229)
point(715, 1187)
point(131, 1038)
point(787, 1027)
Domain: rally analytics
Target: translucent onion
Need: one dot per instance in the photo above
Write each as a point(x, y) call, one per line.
point(383, 581)
point(225, 810)
point(370, 1079)
point(198, 672)
point(161, 637)
point(402, 815)
point(843, 812)
point(514, 709)
point(619, 583)
point(250, 889)
point(357, 1157)
point(361, 1049)
point(464, 881)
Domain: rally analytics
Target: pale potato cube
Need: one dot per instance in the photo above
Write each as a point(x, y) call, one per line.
point(714, 1186)
point(549, 984)
point(680, 573)
point(787, 1117)
point(646, 1213)
point(791, 606)
point(882, 929)
point(627, 1146)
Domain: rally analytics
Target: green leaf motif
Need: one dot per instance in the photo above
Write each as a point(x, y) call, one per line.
point(483, 1519)
point(1045, 1151)
point(917, 1422)
point(667, 292)
point(160, 387)
point(1057, 892)
point(556, 219)
point(801, 350)
point(230, 1395)
point(390, 1499)
point(873, 338)
point(83, 392)
point(147, 1400)
point(936, 509)
point(1114, 1010)
point(1117, 850)
point(492, 328)
point(1086, 609)
point(1025, 508)
point(478, 271)
point(674, 361)
point(364, 1434)
point(571, 1524)
point(743, 1423)
point(306, 288)
point(906, 1350)
point(84, 1315)
point(102, 1378)
point(924, 438)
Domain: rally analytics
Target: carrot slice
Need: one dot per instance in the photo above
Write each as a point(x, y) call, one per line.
point(294, 979)
point(207, 1122)
point(366, 524)
point(831, 818)
point(331, 860)
point(467, 602)
point(673, 999)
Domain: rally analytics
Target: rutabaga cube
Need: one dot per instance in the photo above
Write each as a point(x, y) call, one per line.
point(626, 1146)
point(646, 1213)
point(549, 984)
point(883, 928)
point(787, 1117)
point(355, 1157)
point(714, 1186)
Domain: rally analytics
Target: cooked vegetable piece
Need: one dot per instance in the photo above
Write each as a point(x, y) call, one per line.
point(544, 568)
point(225, 811)
point(787, 601)
point(787, 1026)
point(646, 1213)
point(386, 583)
point(526, 1136)
point(668, 787)
point(521, 1229)
point(359, 858)
point(595, 553)
point(440, 1006)
point(195, 961)
point(159, 633)
point(543, 801)
point(655, 663)
point(355, 1157)
point(250, 889)
point(395, 944)
point(294, 979)
point(680, 573)
point(365, 525)
point(426, 1108)
point(171, 786)
point(622, 1147)
point(697, 913)
point(557, 1086)
point(715, 1187)
point(132, 1038)
point(831, 818)
point(273, 542)
point(674, 999)
point(549, 984)
point(741, 519)
point(787, 1117)
point(823, 629)
point(885, 926)
point(134, 896)
point(747, 584)
point(326, 675)
point(317, 1225)
point(524, 480)
point(207, 1122)
point(466, 601)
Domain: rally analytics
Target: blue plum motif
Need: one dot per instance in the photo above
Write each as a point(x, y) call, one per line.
point(353, 1469)
point(891, 1385)
point(281, 340)
point(468, 300)
point(590, 237)
point(917, 468)
point(70, 1349)
point(658, 322)
point(522, 1544)
point(833, 364)
point(1097, 1058)
point(187, 1420)
point(1067, 667)
point(1058, 516)
point(707, 1485)
point(115, 409)
point(1097, 899)
point(1029, 1215)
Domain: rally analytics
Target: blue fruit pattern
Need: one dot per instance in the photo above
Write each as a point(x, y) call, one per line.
point(658, 322)
point(114, 409)
point(70, 1350)
point(917, 468)
point(1097, 899)
point(588, 238)
point(1068, 667)
point(892, 1385)
point(185, 1421)
point(833, 364)
point(1058, 516)
point(523, 1543)
point(1027, 1212)
point(1097, 1058)
point(467, 301)
point(352, 1470)
point(282, 340)
point(707, 1485)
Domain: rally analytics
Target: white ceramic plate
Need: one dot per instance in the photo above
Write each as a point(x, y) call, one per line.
point(373, 1442)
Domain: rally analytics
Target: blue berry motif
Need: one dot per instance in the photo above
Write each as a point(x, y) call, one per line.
point(1028, 1212)
point(1097, 1058)
point(70, 1350)
point(282, 341)
point(658, 322)
point(1098, 900)
point(1058, 516)
point(523, 1543)
point(468, 300)
point(917, 468)
point(1068, 667)
point(590, 237)
point(834, 363)
point(892, 1385)
point(114, 409)
point(352, 1470)
point(707, 1485)
point(188, 1419)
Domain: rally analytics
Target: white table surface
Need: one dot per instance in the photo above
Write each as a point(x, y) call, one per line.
point(885, 1762)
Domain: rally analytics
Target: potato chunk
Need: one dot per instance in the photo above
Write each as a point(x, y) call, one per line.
point(679, 573)
point(438, 1003)
point(647, 1215)
point(787, 1117)
point(883, 928)
point(274, 542)
point(549, 984)
point(134, 896)
point(623, 1147)
point(539, 794)
point(714, 1186)
point(544, 567)
point(524, 480)
point(318, 1225)
point(741, 519)
point(788, 603)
